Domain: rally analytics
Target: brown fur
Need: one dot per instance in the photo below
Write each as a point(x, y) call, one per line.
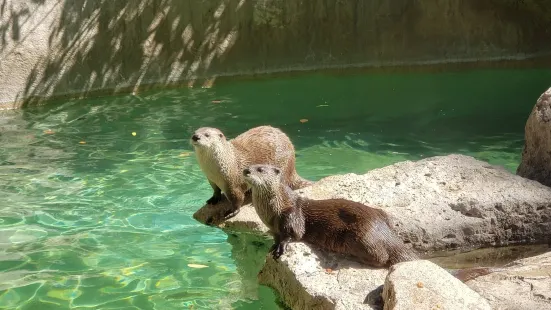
point(336, 225)
point(223, 161)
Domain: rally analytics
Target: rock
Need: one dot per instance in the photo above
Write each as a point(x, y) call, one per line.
point(536, 156)
point(245, 220)
point(438, 203)
point(525, 284)
point(449, 202)
point(308, 279)
point(423, 285)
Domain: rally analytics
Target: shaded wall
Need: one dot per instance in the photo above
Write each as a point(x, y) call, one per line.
point(50, 48)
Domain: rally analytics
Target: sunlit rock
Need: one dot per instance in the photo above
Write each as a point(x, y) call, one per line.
point(536, 156)
point(439, 203)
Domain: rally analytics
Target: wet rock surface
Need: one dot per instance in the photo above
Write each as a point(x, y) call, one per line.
point(524, 284)
point(536, 155)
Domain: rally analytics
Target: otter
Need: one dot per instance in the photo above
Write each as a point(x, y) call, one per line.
point(222, 161)
point(338, 225)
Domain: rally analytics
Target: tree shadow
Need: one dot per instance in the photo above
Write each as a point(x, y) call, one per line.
point(147, 42)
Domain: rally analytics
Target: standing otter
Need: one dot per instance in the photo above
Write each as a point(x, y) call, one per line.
point(223, 161)
point(336, 225)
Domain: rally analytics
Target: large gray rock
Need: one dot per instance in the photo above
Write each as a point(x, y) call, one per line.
point(438, 203)
point(441, 202)
point(524, 284)
point(424, 285)
point(536, 156)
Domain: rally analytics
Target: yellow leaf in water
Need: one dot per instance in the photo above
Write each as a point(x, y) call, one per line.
point(185, 154)
point(82, 142)
point(48, 131)
point(196, 266)
point(303, 120)
point(134, 133)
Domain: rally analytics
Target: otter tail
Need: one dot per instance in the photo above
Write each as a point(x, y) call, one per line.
point(468, 274)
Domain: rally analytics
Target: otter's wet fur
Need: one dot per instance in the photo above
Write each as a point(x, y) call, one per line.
point(222, 161)
point(361, 232)
point(337, 225)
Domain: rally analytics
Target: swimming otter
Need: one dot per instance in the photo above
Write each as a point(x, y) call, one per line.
point(336, 225)
point(223, 161)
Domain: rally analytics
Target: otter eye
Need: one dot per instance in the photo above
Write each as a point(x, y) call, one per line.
point(276, 171)
point(221, 135)
point(207, 135)
point(259, 169)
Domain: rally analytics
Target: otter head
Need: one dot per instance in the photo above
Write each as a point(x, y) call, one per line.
point(207, 138)
point(262, 176)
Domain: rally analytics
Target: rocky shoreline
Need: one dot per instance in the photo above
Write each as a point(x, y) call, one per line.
point(438, 203)
point(441, 203)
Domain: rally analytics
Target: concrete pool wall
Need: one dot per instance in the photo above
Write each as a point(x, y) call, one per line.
point(53, 48)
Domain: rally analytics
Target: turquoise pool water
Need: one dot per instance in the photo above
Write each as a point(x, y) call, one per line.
point(93, 216)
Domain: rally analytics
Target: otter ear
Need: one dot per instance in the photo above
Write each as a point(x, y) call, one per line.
point(277, 171)
point(221, 135)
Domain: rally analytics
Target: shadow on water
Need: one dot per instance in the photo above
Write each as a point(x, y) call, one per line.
point(249, 251)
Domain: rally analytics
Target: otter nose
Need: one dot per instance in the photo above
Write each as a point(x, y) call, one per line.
point(246, 171)
point(195, 138)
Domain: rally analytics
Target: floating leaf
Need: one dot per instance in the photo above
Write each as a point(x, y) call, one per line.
point(196, 266)
point(216, 101)
point(185, 154)
point(134, 133)
point(82, 142)
point(48, 131)
point(304, 120)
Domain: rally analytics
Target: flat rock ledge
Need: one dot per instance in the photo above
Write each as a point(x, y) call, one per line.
point(438, 203)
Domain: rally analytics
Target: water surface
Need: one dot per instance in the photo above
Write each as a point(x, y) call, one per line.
point(98, 194)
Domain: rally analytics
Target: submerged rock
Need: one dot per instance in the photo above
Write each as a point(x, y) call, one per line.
point(524, 284)
point(424, 285)
point(536, 156)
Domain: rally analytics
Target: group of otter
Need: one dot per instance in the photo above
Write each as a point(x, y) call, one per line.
point(262, 160)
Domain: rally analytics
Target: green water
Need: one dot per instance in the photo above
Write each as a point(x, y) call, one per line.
point(107, 224)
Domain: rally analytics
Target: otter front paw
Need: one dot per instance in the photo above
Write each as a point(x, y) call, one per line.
point(277, 250)
point(214, 199)
point(230, 213)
